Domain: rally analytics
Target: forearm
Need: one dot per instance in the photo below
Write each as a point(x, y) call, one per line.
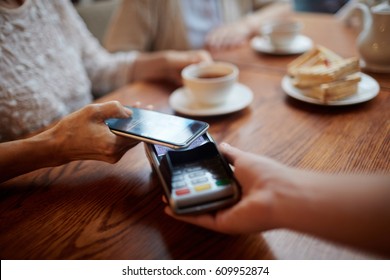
point(352, 210)
point(149, 67)
point(22, 156)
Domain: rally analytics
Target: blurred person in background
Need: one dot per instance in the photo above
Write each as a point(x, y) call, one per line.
point(51, 66)
point(148, 25)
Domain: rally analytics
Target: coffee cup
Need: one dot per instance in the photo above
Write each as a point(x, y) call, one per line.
point(210, 83)
point(281, 34)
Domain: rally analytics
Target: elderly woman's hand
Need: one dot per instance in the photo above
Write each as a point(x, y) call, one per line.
point(84, 135)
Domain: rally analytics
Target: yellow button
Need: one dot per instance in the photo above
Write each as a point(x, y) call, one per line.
point(202, 187)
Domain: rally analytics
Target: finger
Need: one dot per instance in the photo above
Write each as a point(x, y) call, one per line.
point(179, 60)
point(212, 41)
point(234, 42)
point(164, 199)
point(229, 152)
point(223, 39)
point(137, 104)
point(205, 220)
point(149, 107)
point(220, 221)
point(204, 56)
point(113, 109)
point(216, 43)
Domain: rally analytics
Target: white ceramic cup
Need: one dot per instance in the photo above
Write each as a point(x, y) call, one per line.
point(210, 83)
point(281, 34)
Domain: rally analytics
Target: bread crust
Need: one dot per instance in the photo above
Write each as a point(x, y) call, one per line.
point(322, 74)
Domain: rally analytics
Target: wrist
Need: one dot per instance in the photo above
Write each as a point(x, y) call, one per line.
point(25, 155)
point(150, 66)
point(51, 153)
point(288, 199)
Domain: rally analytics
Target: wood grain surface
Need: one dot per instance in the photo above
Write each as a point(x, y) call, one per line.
point(96, 210)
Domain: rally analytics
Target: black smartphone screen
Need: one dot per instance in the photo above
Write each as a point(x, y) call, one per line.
point(158, 128)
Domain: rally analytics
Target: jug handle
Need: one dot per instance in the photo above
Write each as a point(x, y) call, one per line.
point(355, 14)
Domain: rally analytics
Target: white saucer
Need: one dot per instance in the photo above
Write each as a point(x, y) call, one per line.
point(240, 98)
point(368, 88)
point(300, 45)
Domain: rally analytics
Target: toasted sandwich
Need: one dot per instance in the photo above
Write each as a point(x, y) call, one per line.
point(336, 90)
point(324, 75)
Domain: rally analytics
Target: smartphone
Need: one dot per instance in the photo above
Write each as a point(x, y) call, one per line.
point(195, 179)
point(158, 128)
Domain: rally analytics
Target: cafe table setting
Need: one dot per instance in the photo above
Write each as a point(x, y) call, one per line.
point(96, 210)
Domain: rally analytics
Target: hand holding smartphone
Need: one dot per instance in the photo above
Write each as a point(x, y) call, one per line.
point(194, 175)
point(158, 128)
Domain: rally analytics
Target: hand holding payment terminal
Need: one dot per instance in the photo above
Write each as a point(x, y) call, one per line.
point(195, 179)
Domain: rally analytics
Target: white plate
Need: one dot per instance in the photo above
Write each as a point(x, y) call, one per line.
point(240, 98)
point(300, 45)
point(368, 88)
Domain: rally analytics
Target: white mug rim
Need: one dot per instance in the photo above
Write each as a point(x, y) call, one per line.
point(190, 77)
point(292, 27)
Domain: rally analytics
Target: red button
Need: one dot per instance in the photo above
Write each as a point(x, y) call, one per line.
point(182, 191)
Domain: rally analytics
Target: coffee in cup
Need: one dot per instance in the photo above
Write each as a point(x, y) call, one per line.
point(209, 83)
point(281, 34)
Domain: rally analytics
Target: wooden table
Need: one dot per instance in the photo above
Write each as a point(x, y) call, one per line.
point(95, 210)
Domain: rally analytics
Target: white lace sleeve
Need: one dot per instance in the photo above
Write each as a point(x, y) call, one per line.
point(49, 65)
point(107, 71)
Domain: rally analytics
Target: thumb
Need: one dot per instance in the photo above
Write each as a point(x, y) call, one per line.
point(192, 57)
point(231, 153)
point(114, 109)
point(202, 56)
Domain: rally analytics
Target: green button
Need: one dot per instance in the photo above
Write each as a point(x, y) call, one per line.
point(223, 182)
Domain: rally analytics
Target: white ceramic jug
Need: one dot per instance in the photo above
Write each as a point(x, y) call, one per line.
point(374, 41)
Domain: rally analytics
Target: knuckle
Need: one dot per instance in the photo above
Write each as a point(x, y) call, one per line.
point(114, 103)
point(91, 109)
